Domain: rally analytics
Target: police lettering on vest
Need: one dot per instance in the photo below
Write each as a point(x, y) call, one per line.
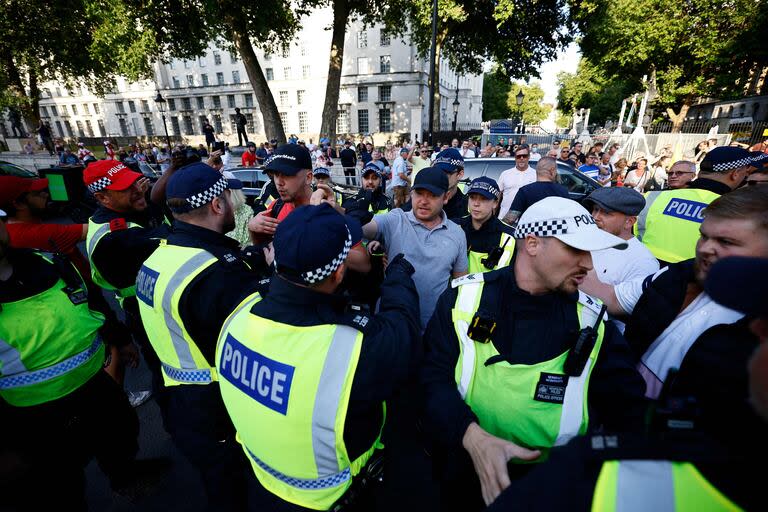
point(145, 285)
point(265, 380)
point(686, 210)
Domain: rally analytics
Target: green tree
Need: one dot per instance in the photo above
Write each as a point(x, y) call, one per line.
point(496, 87)
point(532, 110)
point(693, 48)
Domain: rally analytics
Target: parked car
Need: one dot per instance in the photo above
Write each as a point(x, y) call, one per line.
point(253, 179)
point(579, 185)
point(9, 169)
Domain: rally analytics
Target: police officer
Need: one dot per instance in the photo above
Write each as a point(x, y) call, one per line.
point(123, 232)
point(268, 193)
point(675, 470)
point(186, 289)
point(370, 200)
point(323, 177)
point(303, 379)
point(490, 242)
point(669, 223)
point(59, 408)
point(451, 162)
point(517, 361)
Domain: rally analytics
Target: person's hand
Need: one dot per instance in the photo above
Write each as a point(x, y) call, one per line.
point(129, 355)
point(269, 253)
point(263, 224)
point(375, 248)
point(399, 262)
point(143, 184)
point(490, 455)
point(323, 194)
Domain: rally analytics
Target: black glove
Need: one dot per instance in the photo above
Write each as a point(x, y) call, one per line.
point(399, 262)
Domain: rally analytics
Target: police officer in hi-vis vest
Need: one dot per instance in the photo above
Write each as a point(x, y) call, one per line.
point(371, 199)
point(186, 289)
point(518, 361)
point(705, 465)
point(123, 231)
point(59, 408)
point(669, 223)
point(304, 378)
point(490, 242)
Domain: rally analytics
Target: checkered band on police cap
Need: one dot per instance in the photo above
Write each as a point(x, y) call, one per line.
point(317, 275)
point(733, 164)
point(99, 185)
point(482, 185)
point(449, 161)
point(206, 196)
point(549, 227)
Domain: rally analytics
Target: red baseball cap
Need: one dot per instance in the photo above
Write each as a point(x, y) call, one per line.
point(108, 175)
point(12, 187)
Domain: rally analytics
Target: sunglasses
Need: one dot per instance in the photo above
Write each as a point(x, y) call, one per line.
point(678, 173)
point(520, 157)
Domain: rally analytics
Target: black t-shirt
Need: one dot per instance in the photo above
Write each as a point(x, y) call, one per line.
point(348, 157)
point(534, 192)
point(208, 131)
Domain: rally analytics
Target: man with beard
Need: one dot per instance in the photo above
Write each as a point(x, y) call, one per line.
point(670, 310)
point(452, 164)
point(517, 361)
point(186, 289)
point(370, 200)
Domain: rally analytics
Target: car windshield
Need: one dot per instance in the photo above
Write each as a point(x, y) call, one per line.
point(7, 169)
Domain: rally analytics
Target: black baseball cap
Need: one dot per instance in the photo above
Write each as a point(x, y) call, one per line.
point(433, 179)
point(289, 159)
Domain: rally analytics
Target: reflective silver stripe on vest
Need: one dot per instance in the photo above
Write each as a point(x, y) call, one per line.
point(466, 303)
point(650, 198)
point(304, 483)
point(103, 229)
point(180, 344)
point(51, 372)
point(504, 242)
point(645, 485)
point(10, 358)
point(329, 391)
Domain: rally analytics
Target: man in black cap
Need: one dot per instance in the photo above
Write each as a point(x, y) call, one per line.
point(186, 289)
point(370, 200)
point(321, 394)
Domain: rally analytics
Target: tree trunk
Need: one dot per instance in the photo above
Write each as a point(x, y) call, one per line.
point(273, 127)
point(34, 98)
point(331, 106)
point(677, 120)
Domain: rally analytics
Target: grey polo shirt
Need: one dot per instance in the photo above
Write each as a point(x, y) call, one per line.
point(434, 253)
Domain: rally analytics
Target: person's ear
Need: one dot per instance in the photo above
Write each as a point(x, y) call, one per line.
point(338, 275)
point(103, 198)
point(445, 198)
point(532, 245)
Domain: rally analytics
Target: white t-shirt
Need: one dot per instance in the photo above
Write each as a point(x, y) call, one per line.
point(535, 156)
point(467, 153)
point(510, 182)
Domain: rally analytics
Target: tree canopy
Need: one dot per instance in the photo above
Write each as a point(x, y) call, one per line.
point(496, 88)
point(532, 110)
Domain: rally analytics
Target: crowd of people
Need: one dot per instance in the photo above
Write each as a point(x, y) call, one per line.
point(417, 345)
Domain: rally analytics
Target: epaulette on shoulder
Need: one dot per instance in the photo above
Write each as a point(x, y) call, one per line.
point(118, 224)
point(593, 303)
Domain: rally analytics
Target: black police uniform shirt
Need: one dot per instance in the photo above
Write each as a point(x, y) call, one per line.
point(488, 237)
point(389, 349)
point(363, 202)
point(121, 252)
point(710, 185)
point(214, 294)
point(530, 329)
point(455, 208)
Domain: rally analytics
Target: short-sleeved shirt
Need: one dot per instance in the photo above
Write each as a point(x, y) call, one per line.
point(434, 253)
point(535, 192)
point(510, 182)
point(399, 167)
point(590, 170)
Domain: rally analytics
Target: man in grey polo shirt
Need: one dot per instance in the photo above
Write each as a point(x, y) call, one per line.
point(435, 246)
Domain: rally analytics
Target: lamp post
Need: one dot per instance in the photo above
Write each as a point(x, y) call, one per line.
point(160, 101)
point(519, 100)
point(432, 52)
point(456, 106)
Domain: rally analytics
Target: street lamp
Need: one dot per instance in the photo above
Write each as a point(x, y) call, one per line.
point(519, 100)
point(161, 107)
point(456, 106)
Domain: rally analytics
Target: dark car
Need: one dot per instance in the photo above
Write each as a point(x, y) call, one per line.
point(9, 169)
point(579, 185)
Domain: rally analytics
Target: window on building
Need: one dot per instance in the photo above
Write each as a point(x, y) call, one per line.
point(201, 122)
point(232, 123)
point(385, 93)
point(204, 79)
point(385, 120)
point(201, 61)
point(175, 125)
point(120, 107)
point(188, 128)
point(190, 80)
point(363, 65)
point(233, 58)
point(220, 78)
point(176, 83)
point(385, 64)
point(384, 37)
point(68, 127)
point(58, 92)
point(59, 129)
point(284, 120)
point(186, 103)
point(124, 127)
point(217, 123)
point(144, 106)
point(80, 130)
point(231, 100)
point(362, 39)
point(135, 123)
point(172, 64)
point(132, 106)
point(267, 55)
point(300, 97)
point(303, 49)
point(171, 104)
point(362, 121)
point(74, 110)
point(305, 69)
point(102, 130)
point(200, 102)
point(342, 121)
point(86, 109)
point(88, 128)
point(216, 101)
point(283, 97)
point(270, 73)
point(96, 109)
point(45, 111)
point(249, 122)
point(187, 64)
point(236, 77)
point(54, 112)
point(287, 73)
point(217, 57)
point(149, 128)
point(285, 52)
point(248, 100)
point(362, 94)
point(303, 122)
